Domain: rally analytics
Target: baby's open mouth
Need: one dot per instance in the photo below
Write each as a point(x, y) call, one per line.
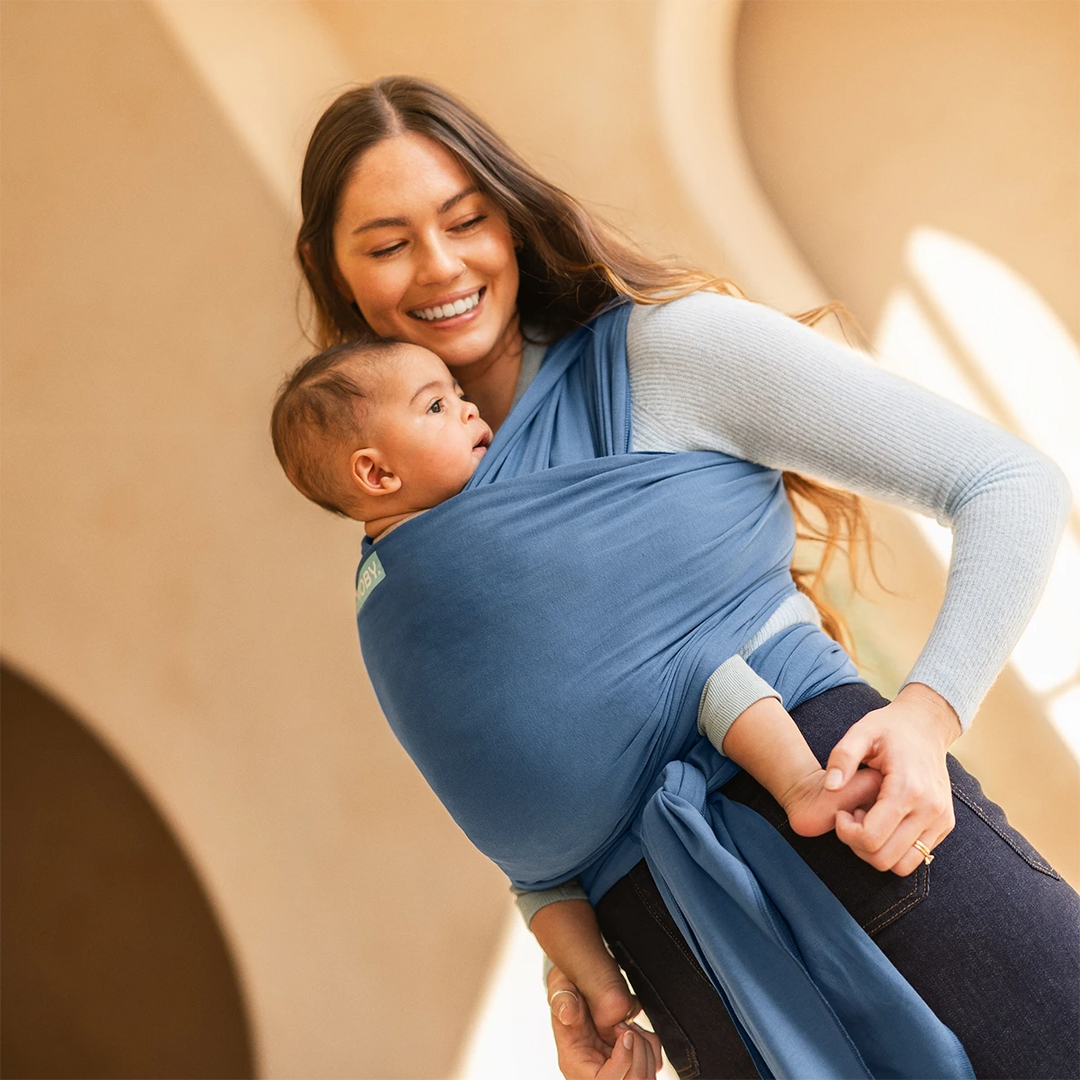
point(447, 311)
point(484, 441)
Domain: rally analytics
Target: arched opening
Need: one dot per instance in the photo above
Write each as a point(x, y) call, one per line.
point(114, 963)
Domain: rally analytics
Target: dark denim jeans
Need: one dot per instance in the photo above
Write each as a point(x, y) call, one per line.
point(989, 935)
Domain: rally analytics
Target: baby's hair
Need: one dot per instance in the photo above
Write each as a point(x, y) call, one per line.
point(320, 409)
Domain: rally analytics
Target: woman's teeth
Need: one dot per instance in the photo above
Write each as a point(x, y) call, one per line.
point(448, 311)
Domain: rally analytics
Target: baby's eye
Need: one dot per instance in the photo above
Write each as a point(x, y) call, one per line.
point(436, 406)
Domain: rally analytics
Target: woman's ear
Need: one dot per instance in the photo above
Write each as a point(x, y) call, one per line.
point(369, 473)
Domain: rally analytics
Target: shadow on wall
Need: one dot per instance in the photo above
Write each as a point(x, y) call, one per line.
point(114, 964)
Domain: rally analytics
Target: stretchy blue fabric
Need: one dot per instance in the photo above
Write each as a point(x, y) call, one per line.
point(539, 645)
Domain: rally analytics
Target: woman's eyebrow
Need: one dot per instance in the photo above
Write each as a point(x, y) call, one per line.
point(455, 199)
point(400, 222)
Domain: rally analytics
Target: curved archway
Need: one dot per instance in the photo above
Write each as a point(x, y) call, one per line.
point(114, 963)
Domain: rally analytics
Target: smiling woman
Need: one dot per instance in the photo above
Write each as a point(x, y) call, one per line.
point(420, 225)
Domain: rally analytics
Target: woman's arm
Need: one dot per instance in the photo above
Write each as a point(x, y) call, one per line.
point(711, 372)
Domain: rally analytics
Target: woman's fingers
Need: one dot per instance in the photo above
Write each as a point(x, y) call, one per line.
point(848, 754)
point(565, 1006)
point(896, 802)
point(653, 1040)
point(619, 1065)
point(898, 853)
point(862, 791)
point(643, 1063)
point(633, 1057)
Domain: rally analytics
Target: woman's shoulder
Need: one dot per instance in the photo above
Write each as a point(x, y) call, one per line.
point(689, 322)
point(682, 353)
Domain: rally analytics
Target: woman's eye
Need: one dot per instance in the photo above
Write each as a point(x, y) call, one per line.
point(383, 252)
point(470, 223)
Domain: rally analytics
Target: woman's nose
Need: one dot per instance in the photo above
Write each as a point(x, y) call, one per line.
point(438, 263)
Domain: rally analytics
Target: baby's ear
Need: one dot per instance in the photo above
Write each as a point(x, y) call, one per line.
point(368, 472)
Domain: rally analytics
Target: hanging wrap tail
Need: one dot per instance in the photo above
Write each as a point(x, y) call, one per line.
point(540, 643)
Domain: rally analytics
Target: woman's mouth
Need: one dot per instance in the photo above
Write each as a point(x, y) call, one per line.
point(450, 310)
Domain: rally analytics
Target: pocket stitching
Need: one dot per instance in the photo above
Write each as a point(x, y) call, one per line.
point(918, 891)
point(1035, 864)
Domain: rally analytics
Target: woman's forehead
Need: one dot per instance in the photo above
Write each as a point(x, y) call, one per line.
point(399, 176)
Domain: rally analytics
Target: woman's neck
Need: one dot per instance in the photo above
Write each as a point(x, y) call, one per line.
point(490, 382)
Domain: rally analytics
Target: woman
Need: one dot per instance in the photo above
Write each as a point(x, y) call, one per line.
point(419, 224)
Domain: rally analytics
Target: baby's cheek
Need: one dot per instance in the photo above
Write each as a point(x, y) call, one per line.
point(453, 475)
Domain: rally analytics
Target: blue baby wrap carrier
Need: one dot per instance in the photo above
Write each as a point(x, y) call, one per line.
point(539, 645)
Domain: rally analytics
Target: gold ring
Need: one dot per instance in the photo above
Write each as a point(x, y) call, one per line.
point(558, 992)
point(924, 851)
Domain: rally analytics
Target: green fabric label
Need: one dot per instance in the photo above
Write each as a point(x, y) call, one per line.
point(371, 573)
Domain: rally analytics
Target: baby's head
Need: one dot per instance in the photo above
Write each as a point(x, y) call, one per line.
point(376, 430)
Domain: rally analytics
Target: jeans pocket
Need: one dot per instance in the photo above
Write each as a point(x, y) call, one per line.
point(875, 898)
point(675, 1041)
point(968, 791)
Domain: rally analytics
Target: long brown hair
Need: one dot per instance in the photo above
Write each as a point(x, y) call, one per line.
point(571, 264)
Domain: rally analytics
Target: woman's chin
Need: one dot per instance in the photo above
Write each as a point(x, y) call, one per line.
point(460, 350)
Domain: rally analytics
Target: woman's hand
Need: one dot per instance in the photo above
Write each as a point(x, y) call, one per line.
point(631, 1054)
point(906, 742)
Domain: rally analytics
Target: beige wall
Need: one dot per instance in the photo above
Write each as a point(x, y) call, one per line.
point(864, 120)
point(160, 575)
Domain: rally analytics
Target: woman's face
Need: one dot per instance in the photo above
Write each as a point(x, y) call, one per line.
point(427, 258)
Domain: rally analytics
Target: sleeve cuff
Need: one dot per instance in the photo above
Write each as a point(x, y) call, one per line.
point(964, 703)
point(732, 687)
point(529, 903)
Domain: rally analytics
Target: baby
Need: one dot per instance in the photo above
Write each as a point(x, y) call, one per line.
point(378, 432)
point(382, 432)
